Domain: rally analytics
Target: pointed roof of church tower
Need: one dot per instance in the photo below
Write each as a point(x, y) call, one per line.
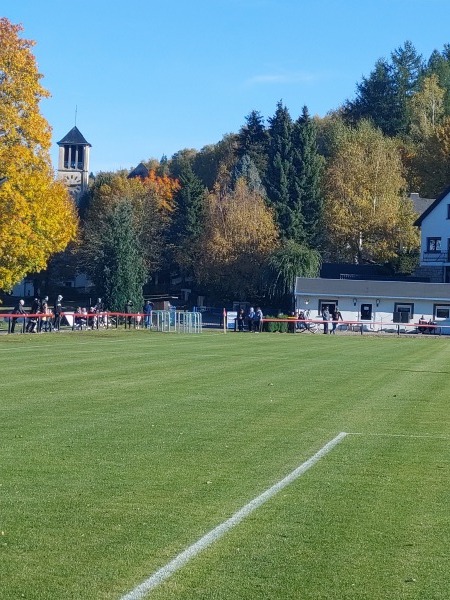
point(73, 137)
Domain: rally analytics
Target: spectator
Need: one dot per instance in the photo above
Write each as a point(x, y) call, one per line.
point(147, 310)
point(57, 310)
point(336, 316)
point(127, 310)
point(46, 324)
point(33, 320)
point(250, 318)
point(18, 310)
point(301, 320)
point(241, 320)
point(258, 321)
point(325, 318)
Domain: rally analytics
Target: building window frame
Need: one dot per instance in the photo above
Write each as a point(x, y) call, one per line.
point(434, 244)
point(441, 311)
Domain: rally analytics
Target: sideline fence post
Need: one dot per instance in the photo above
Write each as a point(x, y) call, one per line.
point(224, 320)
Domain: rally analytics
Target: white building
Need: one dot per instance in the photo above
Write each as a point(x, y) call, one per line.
point(379, 305)
point(434, 225)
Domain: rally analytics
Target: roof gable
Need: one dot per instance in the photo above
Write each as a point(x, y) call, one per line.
point(139, 171)
point(73, 137)
point(432, 206)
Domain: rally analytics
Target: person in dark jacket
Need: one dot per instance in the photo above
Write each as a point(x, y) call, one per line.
point(147, 310)
point(57, 310)
point(18, 310)
point(127, 310)
point(33, 321)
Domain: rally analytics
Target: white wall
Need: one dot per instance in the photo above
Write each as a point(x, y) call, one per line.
point(436, 224)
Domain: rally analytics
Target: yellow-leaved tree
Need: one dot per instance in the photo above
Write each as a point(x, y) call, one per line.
point(368, 217)
point(239, 235)
point(37, 215)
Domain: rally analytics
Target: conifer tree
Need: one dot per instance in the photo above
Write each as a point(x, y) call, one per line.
point(309, 166)
point(283, 187)
point(253, 141)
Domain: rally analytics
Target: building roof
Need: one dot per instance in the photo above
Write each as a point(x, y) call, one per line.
point(139, 171)
point(355, 288)
point(73, 137)
point(420, 204)
point(431, 207)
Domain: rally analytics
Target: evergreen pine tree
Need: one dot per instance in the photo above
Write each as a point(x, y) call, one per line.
point(309, 166)
point(376, 100)
point(281, 183)
point(119, 272)
point(253, 141)
point(188, 219)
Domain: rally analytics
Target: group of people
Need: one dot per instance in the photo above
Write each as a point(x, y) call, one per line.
point(253, 318)
point(42, 317)
point(334, 316)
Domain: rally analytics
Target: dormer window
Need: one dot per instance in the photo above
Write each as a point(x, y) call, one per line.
point(433, 244)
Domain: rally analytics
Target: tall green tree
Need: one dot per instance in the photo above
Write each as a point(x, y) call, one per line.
point(376, 99)
point(253, 141)
point(281, 181)
point(308, 167)
point(189, 213)
point(439, 65)
point(115, 258)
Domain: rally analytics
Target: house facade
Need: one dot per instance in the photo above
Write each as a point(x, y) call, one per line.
point(434, 225)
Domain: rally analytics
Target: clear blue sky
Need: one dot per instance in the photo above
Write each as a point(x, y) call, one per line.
point(151, 77)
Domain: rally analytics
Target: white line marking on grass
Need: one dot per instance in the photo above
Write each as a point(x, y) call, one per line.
point(425, 436)
point(179, 561)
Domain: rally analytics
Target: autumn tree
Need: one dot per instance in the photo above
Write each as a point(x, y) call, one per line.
point(432, 164)
point(368, 217)
point(37, 216)
point(239, 235)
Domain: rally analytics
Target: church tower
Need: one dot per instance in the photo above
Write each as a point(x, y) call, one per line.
point(73, 162)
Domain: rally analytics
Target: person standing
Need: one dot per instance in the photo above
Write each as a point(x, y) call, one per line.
point(148, 310)
point(57, 310)
point(336, 316)
point(19, 309)
point(240, 320)
point(258, 321)
point(46, 324)
point(127, 310)
point(32, 325)
point(325, 318)
point(250, 318)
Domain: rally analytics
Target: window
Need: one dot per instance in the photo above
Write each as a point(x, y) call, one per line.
point(441, 311)
point(433, 244)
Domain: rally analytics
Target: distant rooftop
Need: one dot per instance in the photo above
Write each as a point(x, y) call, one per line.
point(139, 171)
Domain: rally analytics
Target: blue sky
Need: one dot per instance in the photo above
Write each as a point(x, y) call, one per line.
point(150, 78)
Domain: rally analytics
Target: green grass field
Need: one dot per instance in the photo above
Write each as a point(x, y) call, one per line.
point(120, 449)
